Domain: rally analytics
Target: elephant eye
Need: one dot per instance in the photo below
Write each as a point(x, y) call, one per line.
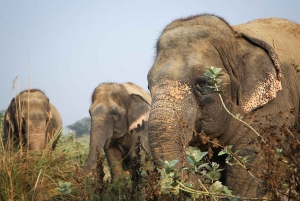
point(202, 85)
point(114, 114)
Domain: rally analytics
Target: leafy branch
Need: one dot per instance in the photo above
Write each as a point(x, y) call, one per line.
point(210, 174)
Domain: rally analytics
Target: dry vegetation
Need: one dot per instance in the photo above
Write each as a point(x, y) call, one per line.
point(56, 175)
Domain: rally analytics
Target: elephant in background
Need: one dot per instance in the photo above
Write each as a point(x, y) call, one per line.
point(260, 62)
point(32, 118)
point(119, 115)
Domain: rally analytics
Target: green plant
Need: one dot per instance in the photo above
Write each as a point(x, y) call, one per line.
point(208, 174)
point(63, 187)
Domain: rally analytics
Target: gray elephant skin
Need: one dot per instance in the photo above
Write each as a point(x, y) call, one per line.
point(31, 117)
point(260, 62)
point(119, 115)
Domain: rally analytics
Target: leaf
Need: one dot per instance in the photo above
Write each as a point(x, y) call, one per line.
point(67, 184)
point(218, 80)
point(226, 190)
point(66, 192)
point(169, 166)
point(219, 75)
point(216, 188)
point(166, 185)
point(224, 151)
point(200, 156)
point(172, 163)
point(204, 165)
point(209, 74)
point(245, 159)
point(217, 70)
point(175, 190)
point(239, 116)
point(191, 161)
point(211, 70)
point(215, 165)
point(213, 175)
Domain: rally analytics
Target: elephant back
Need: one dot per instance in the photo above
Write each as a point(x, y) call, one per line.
point(281, 34)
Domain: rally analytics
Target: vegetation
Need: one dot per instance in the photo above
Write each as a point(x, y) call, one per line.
point(2, 113)
point(57, 175)
point(81, 127)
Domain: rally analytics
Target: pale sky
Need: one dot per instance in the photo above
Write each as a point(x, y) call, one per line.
point(68, 47)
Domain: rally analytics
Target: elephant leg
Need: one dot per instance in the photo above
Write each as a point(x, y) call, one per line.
point(114, 159)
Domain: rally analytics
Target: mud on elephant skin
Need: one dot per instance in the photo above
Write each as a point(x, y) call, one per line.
point(259, 61)
point(119, 115)
point(33, 118)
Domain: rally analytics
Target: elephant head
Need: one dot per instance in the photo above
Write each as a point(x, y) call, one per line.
point(119, 114)
point(32, 119)
point(183, 103)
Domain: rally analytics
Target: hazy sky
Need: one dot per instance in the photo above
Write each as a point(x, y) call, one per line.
point(68, 47)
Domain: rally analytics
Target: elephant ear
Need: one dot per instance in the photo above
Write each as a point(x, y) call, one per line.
point(9, 120)
point(260, 74)
point(139, 106)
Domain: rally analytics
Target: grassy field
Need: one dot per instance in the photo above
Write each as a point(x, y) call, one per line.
point(56, 175)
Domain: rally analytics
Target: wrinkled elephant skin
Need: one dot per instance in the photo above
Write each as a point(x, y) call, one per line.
point(32, 117)
point(119, 115)
point(258, 60)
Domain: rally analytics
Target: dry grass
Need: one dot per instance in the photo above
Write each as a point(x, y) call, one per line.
point(35, 176)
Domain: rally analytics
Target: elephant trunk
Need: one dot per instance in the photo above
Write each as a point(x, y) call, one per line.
point(36, 136)
point(172, 115)
point(101, 131)
point(167, 138)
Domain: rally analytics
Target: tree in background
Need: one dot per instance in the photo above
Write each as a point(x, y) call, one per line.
point(2, 113)
point(81, 127)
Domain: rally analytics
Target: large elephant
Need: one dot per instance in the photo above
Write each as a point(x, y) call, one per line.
point(260, 62)
point(119, 115)
point(31, 117)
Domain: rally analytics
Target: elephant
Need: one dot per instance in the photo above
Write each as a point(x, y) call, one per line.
point(32, 118)
point(260, 66)
point(119, 116)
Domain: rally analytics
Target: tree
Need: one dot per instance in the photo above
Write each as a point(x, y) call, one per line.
point(81, 127)
point(2, 113)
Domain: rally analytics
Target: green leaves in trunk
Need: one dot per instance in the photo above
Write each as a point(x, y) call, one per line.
point(169, 178)
point(195, 156)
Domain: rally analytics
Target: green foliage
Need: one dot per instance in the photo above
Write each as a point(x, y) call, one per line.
point(63, 187)
point(169, 178)
point(215, 80)
point(81, 127)
point(209, 175)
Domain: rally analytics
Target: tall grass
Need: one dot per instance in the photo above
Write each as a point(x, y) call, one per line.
point(36, 175)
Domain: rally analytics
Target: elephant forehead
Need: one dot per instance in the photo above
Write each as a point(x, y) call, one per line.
point(106, 103)
point(36, 126)
point(173, 88)
point(182, 36)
